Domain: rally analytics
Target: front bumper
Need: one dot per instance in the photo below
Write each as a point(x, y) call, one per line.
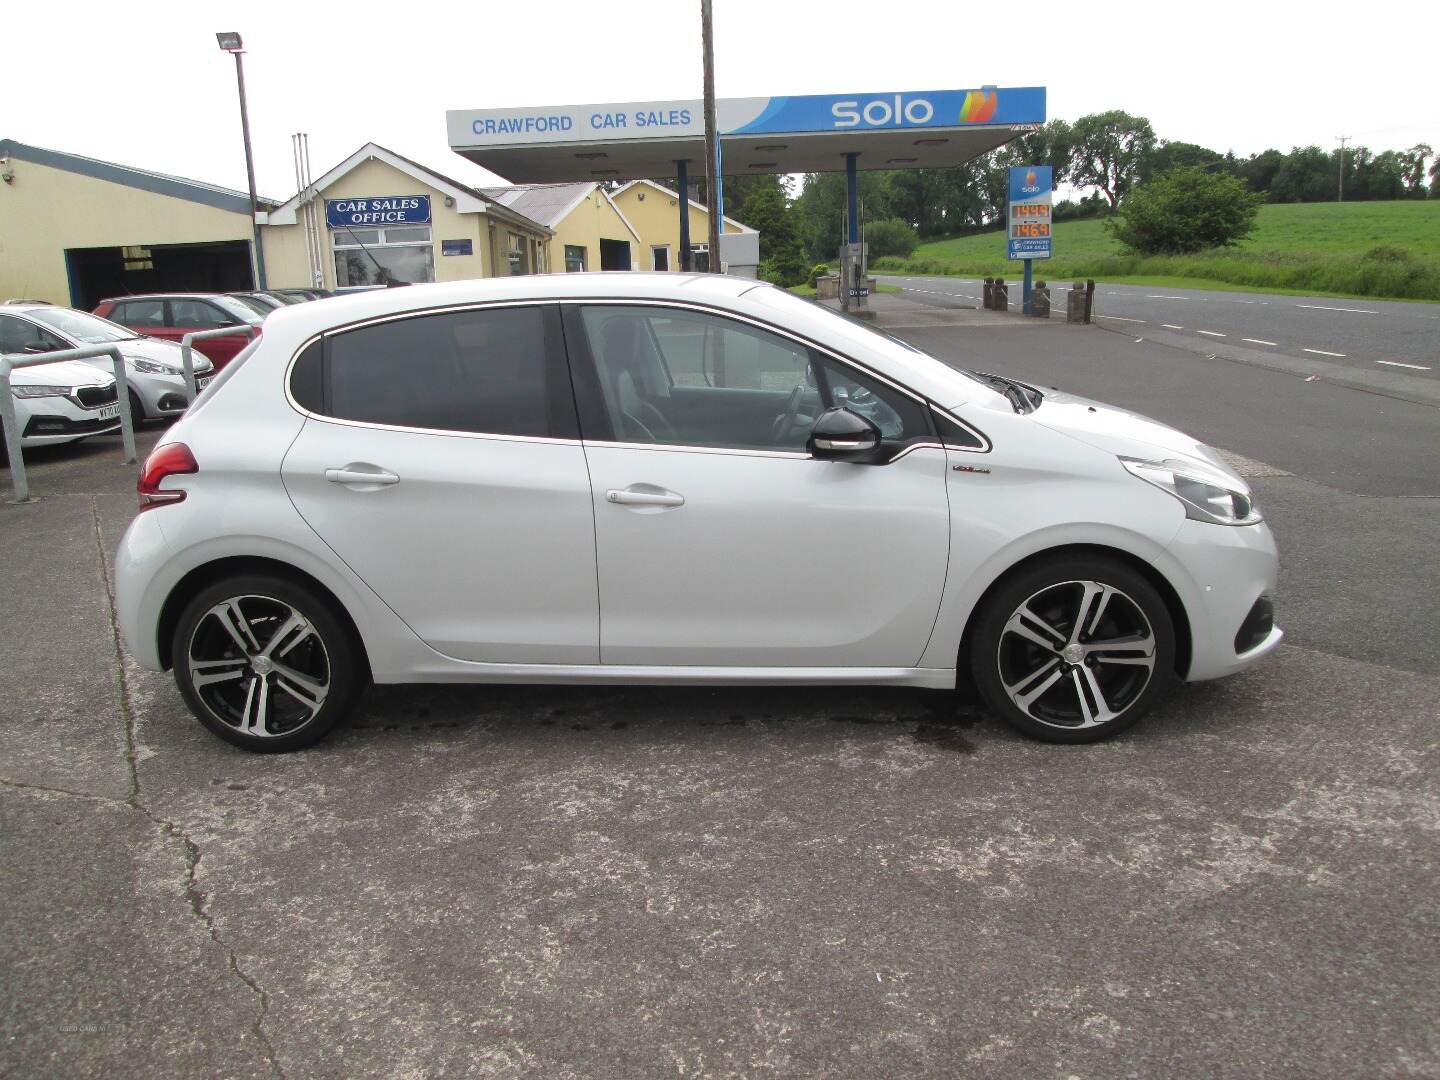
point(1224, 571)
point(164, 395)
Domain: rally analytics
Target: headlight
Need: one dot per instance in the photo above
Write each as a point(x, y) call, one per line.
point(40, 391)
point(1206, 495)
point(150, 367)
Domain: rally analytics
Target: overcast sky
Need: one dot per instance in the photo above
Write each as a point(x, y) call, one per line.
point(144, 83)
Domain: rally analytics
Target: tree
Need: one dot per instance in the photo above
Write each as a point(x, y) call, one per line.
point(1413, 168)
point(1185, 210)
point(820, 209)
point(1169, 156)
point(1381, 177)
point(1111, 152)
point(767, 208)
point(1307, 174)
point(890, 236)
point(1258, 170)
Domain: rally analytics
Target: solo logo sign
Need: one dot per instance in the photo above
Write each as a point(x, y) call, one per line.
point(882, 112)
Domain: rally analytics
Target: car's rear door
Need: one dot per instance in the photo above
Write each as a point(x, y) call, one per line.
point(441, 461)
point(719, 540)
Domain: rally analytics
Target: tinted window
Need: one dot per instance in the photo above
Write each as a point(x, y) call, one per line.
point(141, 314)
point(953, 434)
point(498, 371)
point(197, 315)
point(16, 335)
point(307, 379)
point(690, 378)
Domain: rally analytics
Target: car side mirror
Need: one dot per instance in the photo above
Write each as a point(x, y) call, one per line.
point(844, 435)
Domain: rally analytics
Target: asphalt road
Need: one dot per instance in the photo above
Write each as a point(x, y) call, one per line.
point(1379, 336)
point(575, 882)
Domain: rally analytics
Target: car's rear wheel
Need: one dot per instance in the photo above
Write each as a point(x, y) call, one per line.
point(266, 663)
point(1072, 650)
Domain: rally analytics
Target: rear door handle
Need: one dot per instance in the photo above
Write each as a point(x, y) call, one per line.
point(626, 497)
point(352, 474)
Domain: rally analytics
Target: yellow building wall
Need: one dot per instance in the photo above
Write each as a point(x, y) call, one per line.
point(45, 210)
point(592, 220)
point(287, 264)
point(656, 218)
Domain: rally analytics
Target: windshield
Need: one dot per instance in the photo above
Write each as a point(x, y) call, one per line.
point(82, 326)
point(244, 309)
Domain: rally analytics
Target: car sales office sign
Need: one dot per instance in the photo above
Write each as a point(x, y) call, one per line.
point(1031, 189)
point(384, 210)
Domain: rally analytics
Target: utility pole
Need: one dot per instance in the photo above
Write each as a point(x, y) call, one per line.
point(1343, 140)
point(712, 158)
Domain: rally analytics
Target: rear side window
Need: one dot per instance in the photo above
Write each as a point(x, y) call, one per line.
point(495, 371)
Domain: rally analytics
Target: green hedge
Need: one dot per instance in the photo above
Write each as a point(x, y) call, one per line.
point(1380, 272)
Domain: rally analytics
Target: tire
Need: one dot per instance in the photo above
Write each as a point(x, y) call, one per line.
point(298, 668)
point(1053, 683)
point(137, 407)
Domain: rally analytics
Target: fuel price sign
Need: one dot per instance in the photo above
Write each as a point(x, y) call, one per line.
point(1031, 189)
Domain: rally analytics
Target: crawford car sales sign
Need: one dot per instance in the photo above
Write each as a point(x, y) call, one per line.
point(383, 210)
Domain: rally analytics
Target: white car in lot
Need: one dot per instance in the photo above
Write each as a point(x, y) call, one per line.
point(62, 402)
point(657, 478)
point(153, 368)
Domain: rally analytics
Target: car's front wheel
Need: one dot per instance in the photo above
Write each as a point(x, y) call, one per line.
point(1075, 649)
point(265, 663)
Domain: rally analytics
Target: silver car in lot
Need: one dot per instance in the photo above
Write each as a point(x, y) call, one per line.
point(153, 367)
point(666, 478)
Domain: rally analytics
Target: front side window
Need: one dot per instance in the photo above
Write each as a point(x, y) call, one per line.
point(498, 371)
point(669, 375)
point(197, 315)
point(19, 335)
point(403, 255)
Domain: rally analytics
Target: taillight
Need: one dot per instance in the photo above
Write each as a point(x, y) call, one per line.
point(172, 459)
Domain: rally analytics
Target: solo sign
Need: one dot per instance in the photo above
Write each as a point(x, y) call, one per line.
point(1028, 232)
point(384, 210)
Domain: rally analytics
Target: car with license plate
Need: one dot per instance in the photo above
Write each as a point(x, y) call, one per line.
point(670, 479)
point(154, 369)
point(61, 402)
point(170, 316)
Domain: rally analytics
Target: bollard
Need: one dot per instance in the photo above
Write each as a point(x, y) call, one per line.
point(1002, 295)
point(1075, 303)
point(989, 294)
point(1089, 298)
point(1040, 301)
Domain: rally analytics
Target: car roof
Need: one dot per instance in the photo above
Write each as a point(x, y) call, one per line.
point(346, 308)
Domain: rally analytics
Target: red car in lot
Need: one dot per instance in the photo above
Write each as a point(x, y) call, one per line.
point(173, 315)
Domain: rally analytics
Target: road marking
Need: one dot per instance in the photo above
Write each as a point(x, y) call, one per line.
point(1149, 296)
point(1396, 363)
point(1210, 333)
point(1322, 352)
point(1259, 341)
point(1119, 318)
point(1352, 310)
point(1171, 326)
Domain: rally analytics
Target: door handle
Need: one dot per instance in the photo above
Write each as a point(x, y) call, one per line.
point(372, 477)
point(626, 497)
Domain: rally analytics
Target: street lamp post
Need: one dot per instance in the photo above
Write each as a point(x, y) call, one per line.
point(230, 42)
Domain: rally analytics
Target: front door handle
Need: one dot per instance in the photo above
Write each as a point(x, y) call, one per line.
point(628, 497)
point(364, 477)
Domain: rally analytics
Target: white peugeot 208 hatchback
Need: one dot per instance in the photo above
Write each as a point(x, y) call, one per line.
point(657, 478)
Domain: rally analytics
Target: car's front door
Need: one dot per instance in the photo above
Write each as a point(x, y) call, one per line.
point(720, 541)
point(441, 462)
point(189, 315)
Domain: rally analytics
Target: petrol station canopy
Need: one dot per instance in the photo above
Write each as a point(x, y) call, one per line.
point(810, 133)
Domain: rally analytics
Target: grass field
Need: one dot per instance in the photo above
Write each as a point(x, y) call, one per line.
point(1381, 249)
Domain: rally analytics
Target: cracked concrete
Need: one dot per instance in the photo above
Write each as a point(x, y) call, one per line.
point(600, 882)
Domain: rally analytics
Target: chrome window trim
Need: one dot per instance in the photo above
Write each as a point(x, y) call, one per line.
point(925, 403)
